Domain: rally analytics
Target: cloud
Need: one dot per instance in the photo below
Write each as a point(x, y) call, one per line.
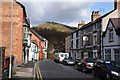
point(63, 12)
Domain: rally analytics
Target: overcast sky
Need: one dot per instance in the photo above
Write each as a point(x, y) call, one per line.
point(64, 12)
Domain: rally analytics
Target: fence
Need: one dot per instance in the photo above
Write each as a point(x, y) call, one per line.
point(4, 63)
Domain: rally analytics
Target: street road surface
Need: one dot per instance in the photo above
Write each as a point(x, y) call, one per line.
point(51, 70)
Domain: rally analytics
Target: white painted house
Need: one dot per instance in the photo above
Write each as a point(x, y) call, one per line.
point(45, 48)
point(33, 51)
point(111, 40)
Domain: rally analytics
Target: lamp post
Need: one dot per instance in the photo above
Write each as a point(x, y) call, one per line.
point(11, 25)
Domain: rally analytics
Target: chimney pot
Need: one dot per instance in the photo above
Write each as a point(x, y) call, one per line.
point(117, 4)
point(81, 23)
point(95, 15)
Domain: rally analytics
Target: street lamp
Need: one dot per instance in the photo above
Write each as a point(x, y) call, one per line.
point(11, 25)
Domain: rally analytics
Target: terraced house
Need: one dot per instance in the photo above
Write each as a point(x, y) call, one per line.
point(41, 46)
point(87, 41)
point(111, 40)
point(19, 19)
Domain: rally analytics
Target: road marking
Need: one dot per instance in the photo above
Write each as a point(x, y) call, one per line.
point(38, 71)
point(39, 75)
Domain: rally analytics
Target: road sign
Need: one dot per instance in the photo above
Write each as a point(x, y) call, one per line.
point(33, 50)
point(38, 49)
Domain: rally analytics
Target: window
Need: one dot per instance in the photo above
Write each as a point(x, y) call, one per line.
point(24, 35)
point(65, 55)
point(77, 43)
point(94, 54)
point(94, 27)
point(77, 34)
point(85, 55)
point(85, 40)
point(110, 35)
point(117, 56)
point(107, 54)
point(62, 55)
point(71, 44)
point(95, 40)
point(72, 36)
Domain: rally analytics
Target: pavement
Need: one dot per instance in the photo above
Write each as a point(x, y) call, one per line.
point(25, 72)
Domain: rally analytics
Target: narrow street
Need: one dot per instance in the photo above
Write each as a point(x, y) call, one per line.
point(51, 70)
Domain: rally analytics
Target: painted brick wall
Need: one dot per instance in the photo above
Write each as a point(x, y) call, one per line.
point(33, 37)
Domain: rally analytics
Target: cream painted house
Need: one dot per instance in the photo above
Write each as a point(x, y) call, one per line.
point(111, 40)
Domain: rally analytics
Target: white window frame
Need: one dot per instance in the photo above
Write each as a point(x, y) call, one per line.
point(95, 54)
point(108, 53)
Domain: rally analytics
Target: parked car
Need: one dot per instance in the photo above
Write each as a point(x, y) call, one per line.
point(68, 61)
point(60, 56)
point(77, 60)
point(85, 65)
point(106, 69)
point(56, 58)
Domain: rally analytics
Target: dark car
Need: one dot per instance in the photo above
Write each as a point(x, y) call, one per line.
point(77, 60)
point(85, 65)
point(106, 69)
point(68, 61)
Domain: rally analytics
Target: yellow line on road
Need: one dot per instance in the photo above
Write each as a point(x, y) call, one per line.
point(39, 75)
point(38, 70)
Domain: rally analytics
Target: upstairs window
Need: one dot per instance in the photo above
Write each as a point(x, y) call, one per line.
point(72, 36)
point(95, 40)
point(77, 34)
point(77, 43)
point(95, 27)
point(110, 35)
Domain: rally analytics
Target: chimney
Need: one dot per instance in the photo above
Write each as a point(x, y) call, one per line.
point(117, 4)
point(81, 24)
point(95, 15)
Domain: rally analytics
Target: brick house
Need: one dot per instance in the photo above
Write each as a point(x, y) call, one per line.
point(40, 42)
point(19, 18)
point(111, 40)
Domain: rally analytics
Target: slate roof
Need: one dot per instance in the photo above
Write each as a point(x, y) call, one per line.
point(116, 25)
point(116, 22)
point(34, 41)
point(37, 35)
point(92, 22)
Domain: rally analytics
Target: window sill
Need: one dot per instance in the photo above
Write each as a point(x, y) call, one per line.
point(111, 41)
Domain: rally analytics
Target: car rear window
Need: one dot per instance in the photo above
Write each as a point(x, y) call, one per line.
point(62, 55)
point(89, 60)
point(65, 55)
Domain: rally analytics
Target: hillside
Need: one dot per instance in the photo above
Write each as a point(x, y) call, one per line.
point(55, 33)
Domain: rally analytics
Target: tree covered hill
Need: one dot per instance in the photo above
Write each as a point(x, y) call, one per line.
point(55, 33)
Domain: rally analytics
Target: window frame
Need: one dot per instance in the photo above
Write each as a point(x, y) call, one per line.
point(110, 34)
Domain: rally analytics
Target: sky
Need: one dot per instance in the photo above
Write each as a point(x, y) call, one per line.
point(69, 12)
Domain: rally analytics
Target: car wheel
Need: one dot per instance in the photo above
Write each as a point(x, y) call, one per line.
point(84, 70)
point(108, 77)
point(93, 73)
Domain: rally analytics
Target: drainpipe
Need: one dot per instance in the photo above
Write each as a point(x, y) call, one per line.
point(10, 65)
